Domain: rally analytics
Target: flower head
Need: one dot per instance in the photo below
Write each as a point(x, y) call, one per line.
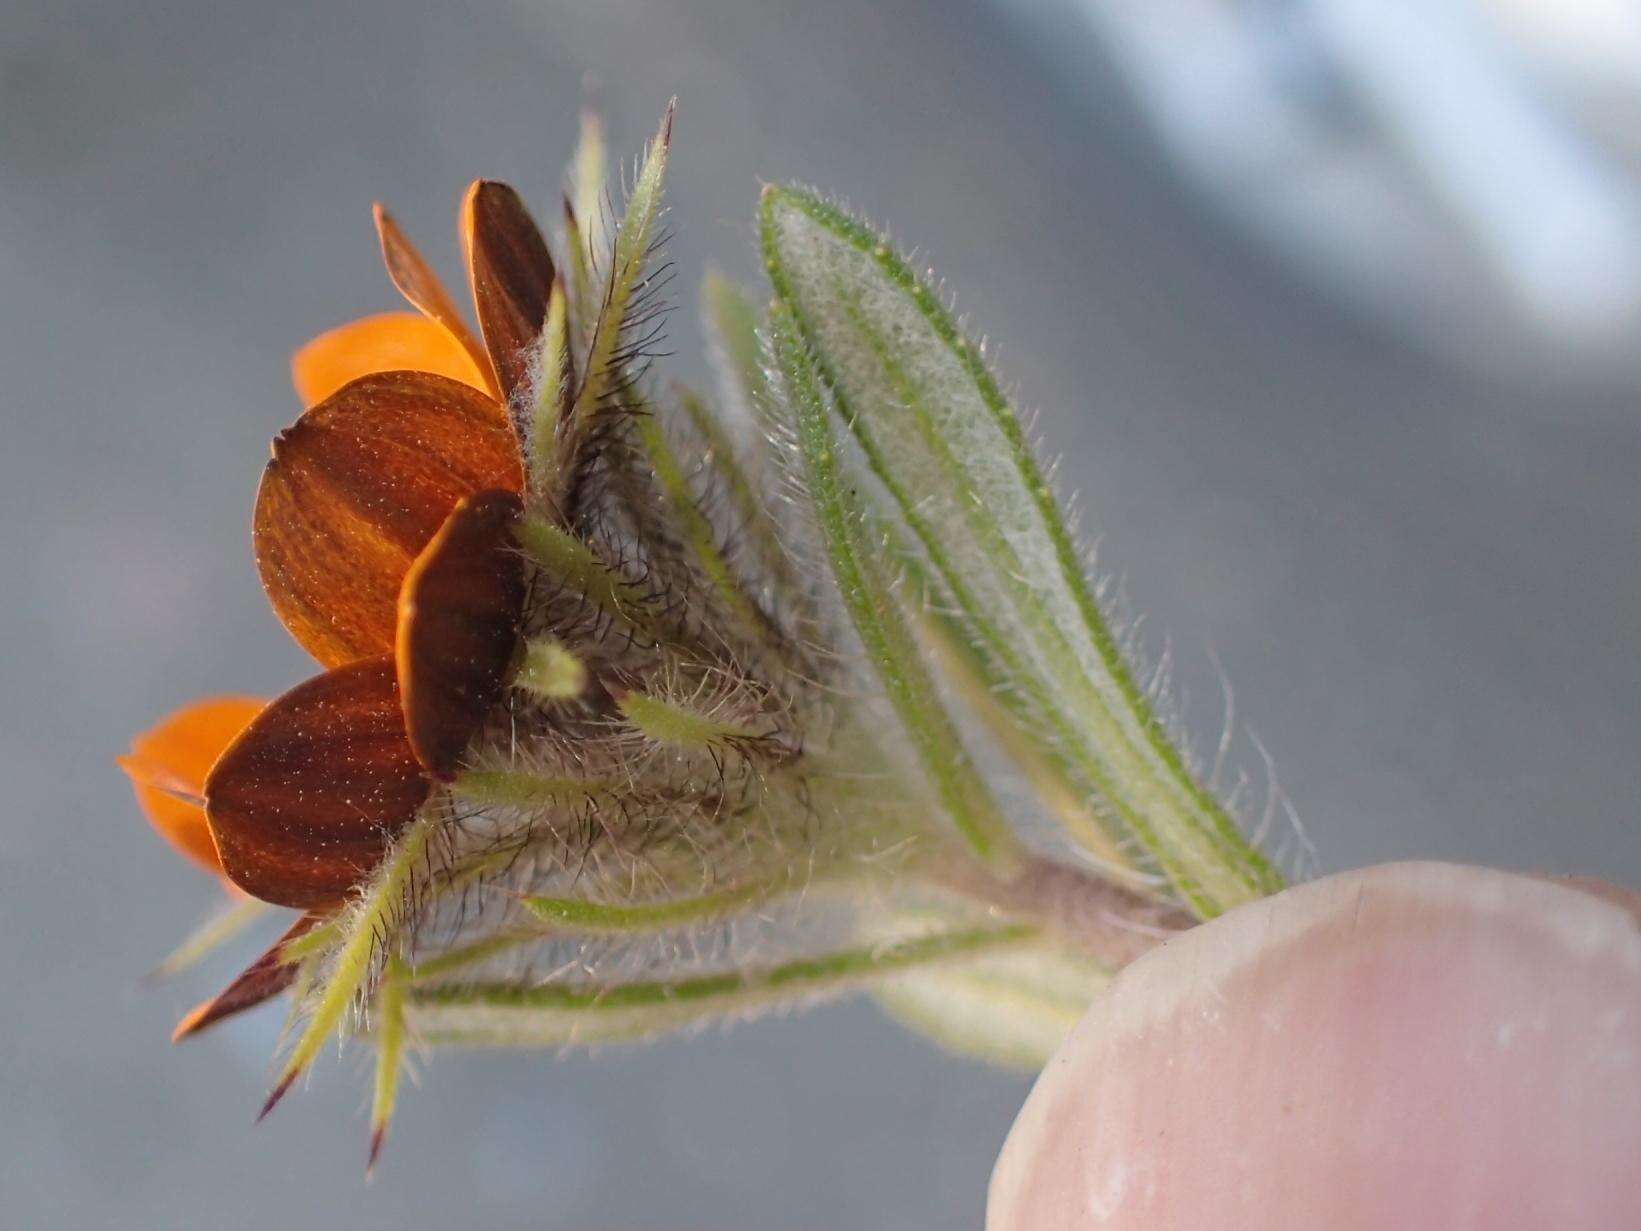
point(635, 712)
point(383, 535)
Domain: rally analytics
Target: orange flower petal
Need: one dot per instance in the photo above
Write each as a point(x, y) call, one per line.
point(169, 761)
point(511, 274)
point(305, 802)
point(262, 980)
point(459, 614)
point(418, 283)
point(386, 342)
point(356, 488)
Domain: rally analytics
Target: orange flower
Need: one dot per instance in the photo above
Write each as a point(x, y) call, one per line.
point(383, 535)
point(168, 764)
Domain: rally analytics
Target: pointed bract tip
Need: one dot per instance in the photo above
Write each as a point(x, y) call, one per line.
point(666, 121)
point(378, 1135)
point(192, 1022)
point(275, 1095)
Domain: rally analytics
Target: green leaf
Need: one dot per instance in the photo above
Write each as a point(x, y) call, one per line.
point(390, 1051)
point(587, 176)
point(876, 613)
point(737, 354)
point(940, 437)
point(552, 393)
point(604, 370)
point(584, 227)
point(361, 932)
point(696, 534)
point(216, 931)
point(1012, 1009)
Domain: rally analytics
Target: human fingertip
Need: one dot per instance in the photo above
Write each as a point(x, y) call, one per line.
point(1411, 1046)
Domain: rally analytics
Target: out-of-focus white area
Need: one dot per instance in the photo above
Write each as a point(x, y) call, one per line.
point(1465, 170)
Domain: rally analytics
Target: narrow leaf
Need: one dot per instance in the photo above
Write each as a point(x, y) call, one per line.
point(374, 917)
point(555, 381)
point(1013, 1009)
point(390, 1050)
point(604, 369)
point(737, 354)
point(698, 536)
point(587, 179)
point(943, 441)
point(876, 612)
point(222, 926)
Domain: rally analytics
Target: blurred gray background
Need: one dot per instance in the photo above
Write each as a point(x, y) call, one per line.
point(1421, 574)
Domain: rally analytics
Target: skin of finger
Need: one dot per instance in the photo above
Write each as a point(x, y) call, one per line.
point(1414, 1046)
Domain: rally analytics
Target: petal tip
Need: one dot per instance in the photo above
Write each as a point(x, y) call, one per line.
point(460, 611)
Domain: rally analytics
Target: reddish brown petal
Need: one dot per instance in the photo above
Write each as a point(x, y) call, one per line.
point(511, 273)
point(304, 803)
point(459, 614)
point(386, 342)
point(169, 761)
point(417, 282)
point(356, 488)
point(262, 980)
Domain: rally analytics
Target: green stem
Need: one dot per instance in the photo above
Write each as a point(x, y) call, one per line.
point(1095, 916)
point(587, 1011)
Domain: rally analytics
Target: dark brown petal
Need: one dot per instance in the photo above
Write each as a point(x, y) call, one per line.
point(511, 273)
point(304, 803)
point(262, 980)
point(356, 488)
point(459, 615)
point(417, 282)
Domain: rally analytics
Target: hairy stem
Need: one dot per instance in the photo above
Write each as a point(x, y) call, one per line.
point(1107, 921)
point(607, 1012)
